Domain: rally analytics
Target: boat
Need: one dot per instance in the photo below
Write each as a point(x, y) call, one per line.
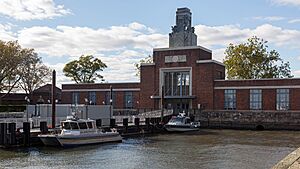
point(181, 123)
point(77, 132)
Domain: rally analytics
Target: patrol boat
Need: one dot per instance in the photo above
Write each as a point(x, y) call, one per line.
point(76, 132)
point(181, 123)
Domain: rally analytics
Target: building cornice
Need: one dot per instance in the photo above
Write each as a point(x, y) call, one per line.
point(102, 90)
point(259, 87)
point(235, 80)
point(210, 61)
point(182, 48)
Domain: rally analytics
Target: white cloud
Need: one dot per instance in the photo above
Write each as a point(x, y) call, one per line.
point(269, 18)
point(287, 2)
point(223, 35)
point(32, 9)
point(5, 32)
point(294, 21)
point(75, 41)
point(296, 73)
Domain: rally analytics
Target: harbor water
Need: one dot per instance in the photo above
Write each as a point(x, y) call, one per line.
point(207, 149)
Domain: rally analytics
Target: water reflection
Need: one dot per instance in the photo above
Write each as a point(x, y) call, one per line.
point(203, 149)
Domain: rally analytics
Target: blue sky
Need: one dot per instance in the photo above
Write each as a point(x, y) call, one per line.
point(121, 32)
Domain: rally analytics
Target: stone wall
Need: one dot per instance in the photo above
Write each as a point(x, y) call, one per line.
point(269, 120)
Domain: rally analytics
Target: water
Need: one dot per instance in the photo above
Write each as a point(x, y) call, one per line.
point(208, 149)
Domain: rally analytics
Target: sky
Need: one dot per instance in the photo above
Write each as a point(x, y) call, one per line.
point(121, 32)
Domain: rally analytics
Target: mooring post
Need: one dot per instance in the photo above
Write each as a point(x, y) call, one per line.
point(12, 131)
point(2, 133)
point(125, 124)
point(53, 97)
point(98, 122)
point(26, 131)
point(43, 127)
point(147, 121)
point(137, 122)
point(112, 123)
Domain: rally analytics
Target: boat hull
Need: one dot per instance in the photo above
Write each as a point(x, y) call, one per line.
point(180, 128)
point(79, 140)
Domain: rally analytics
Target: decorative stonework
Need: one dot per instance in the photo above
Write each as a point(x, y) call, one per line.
point(175, 58)
point(183, 33)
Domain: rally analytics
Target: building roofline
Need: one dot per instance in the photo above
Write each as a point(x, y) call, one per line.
point(234, 80)
point(182, 48)
point(210, 61)
point(102, 83)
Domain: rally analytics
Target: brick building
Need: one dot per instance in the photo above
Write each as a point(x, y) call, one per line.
point(183, 77)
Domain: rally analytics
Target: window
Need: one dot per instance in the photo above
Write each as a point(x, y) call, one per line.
point(74, 125)
point(75, 98)
point(255, 99)
point(90, 124)
point(66, 126)
point(82, 125)
point(92, 98)
point(128, 100)
point(282, 99)
point(107, 98)
point(177, 83)
point(230, 99)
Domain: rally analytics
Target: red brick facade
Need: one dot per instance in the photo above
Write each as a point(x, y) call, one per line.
point(207, 85)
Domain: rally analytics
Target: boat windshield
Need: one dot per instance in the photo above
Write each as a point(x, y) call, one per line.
point(90, 124)
point(66, 125)
point(177, 119)
point(82, 125)
point(74, 125)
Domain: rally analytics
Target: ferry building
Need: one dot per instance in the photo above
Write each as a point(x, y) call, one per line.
point(184, 76)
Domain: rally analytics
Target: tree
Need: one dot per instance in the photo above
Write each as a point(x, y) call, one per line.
point(11, 57)
point(34, 72)
point(252, 60)
point(137, 66)
point(84, 70)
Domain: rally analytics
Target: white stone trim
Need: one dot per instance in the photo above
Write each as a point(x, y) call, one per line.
point(228, 80)
point(182, 48)
point(175, 69)
point(259, 87)
point(100, 90)
point(210, 61)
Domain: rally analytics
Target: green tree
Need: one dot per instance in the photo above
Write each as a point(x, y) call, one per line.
point(137, 66)
point(252, 60)
point(34, 72)
point(84, 70)
point(11, 58)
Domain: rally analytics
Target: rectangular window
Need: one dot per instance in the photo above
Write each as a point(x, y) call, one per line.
point(255, 99)
point(128, 100)
point(108, 99)
point(282, 99)
point(75, 98)
point(92, 98)
point(177, 83)
point(230, 99)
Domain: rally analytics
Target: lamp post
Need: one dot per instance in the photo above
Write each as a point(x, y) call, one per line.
point(27, 101)
point(86, 107)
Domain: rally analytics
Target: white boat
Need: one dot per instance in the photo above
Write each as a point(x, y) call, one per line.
point(181, 123)
point(76, 132)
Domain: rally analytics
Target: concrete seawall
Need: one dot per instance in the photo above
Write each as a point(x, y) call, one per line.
point(291, 161)
point(231, 119)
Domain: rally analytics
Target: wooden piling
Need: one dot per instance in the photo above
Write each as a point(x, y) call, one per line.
point(12, 132)
point(3, 131)
point(26, 132)
point(112, 123)
point(43, 127)
point(98, 122)
point(137, 122)
point(125, 124)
